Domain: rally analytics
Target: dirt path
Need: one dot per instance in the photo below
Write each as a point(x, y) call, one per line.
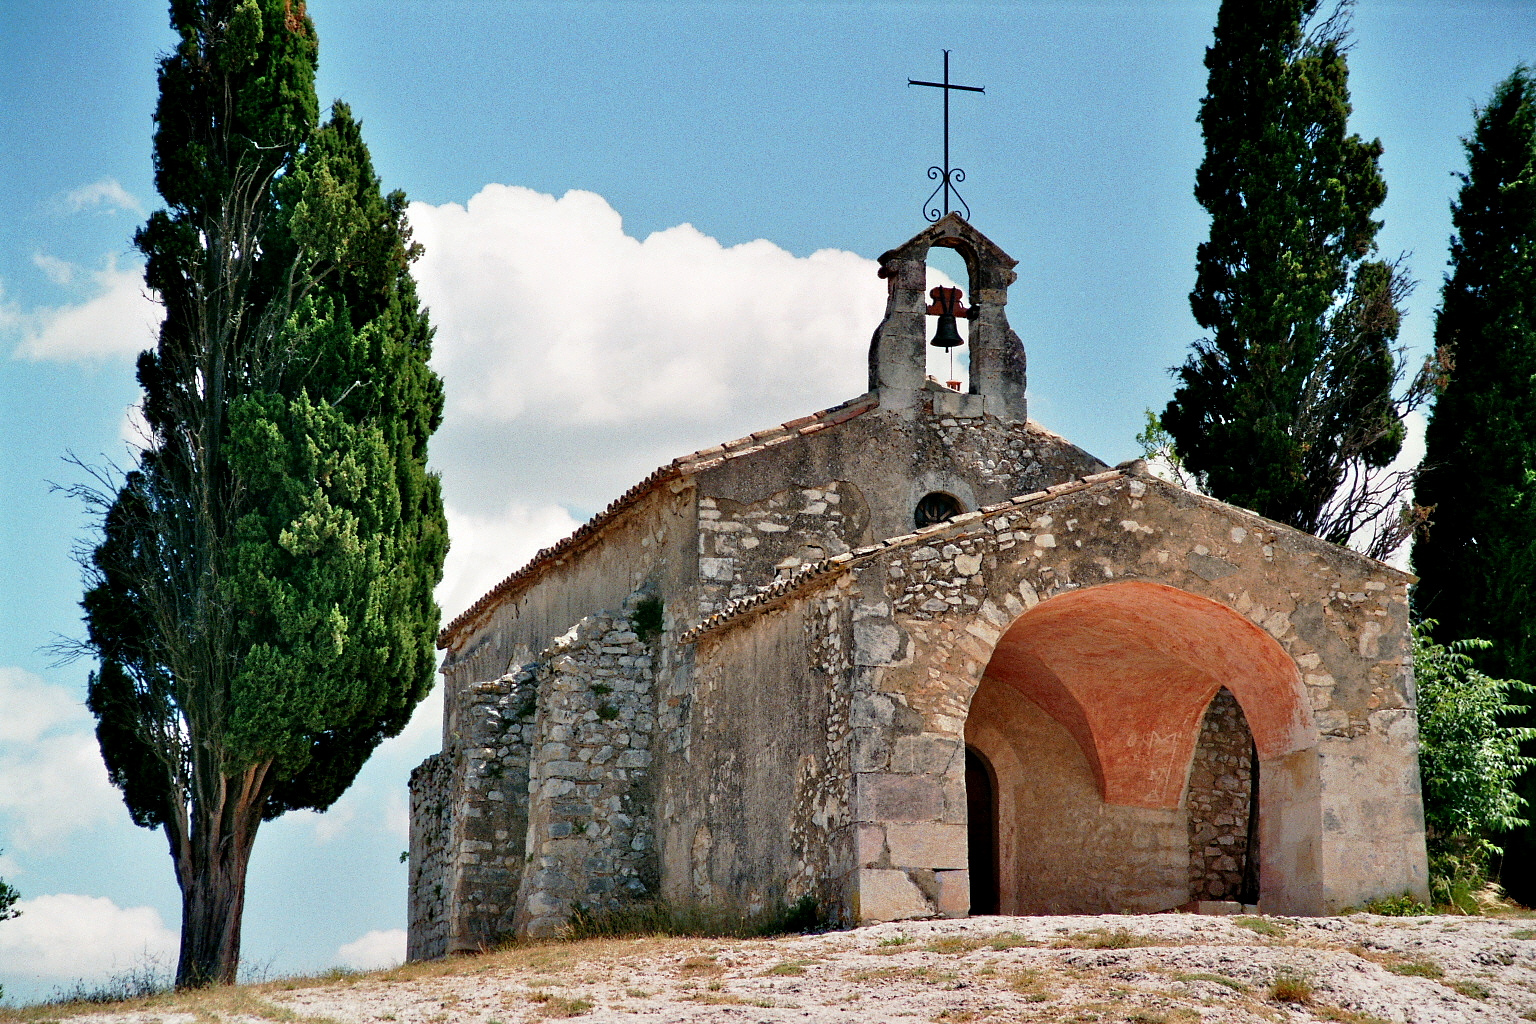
point(1148, 970)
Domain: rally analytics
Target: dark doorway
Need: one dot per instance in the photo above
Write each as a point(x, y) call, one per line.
point(981, 844)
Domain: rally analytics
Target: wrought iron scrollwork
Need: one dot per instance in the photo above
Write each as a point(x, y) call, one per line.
point(931, 209)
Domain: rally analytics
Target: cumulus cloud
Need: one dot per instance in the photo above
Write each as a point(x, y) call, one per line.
point(1411, 455)
point(52, 781)
point(119, 318)
point(546, 307)
point(106, 195)
point(397, 814)
point(485, 548)
point(54, 269)
point(65, 937)
point(133, 429)
point(375, 950)
point(577, 358)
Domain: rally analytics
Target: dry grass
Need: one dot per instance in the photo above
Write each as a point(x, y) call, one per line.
point(1291, 986)
point(550, 1005)
point(1103, 938)
point(1262, 926)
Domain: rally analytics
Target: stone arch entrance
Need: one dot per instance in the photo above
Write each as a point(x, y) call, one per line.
point(1089, 712)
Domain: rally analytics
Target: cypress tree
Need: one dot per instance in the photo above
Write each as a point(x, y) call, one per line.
point(1477, 556)
point(260, 600)
point(1287, 405)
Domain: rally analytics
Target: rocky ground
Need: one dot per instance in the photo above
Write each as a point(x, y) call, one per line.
point(1149, 969)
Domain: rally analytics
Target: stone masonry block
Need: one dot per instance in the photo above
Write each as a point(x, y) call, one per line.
point(875, 642)
point(926, 754)
point(927, 845)
point(889, 895)
point(870, 845)
point(954, 893)
point(883, 797)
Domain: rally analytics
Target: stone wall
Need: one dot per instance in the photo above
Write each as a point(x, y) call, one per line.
point(754, 798)
point(468, 822)
point(590, 792)
point(431, 825)
point(1310, 638)
point(652, 543)
point(742, 545)
point(1217, 802)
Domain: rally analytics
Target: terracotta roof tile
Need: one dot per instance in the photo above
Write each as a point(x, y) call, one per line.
point(686, 465)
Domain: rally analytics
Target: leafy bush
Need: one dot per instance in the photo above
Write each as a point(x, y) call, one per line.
point(1468, 764)
point(1406, 905)
point(647, 618)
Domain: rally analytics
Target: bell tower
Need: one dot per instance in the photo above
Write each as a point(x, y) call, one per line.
point(898, 351)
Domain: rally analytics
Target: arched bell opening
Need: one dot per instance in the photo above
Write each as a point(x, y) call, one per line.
point(1090, 711)
point(947, 295)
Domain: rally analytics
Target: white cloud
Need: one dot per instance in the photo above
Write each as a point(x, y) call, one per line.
point(337, 821)
point(485, 548)
point(52, 781)
point(1411, 455)
point(397, 813)
point(106, 193)
point(547, 311)
point(118, 320)
point(56, 270)
point(67, 937)
point(375, 950)
point(134, 428)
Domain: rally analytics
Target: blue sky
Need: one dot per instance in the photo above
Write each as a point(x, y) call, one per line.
point(649, 227)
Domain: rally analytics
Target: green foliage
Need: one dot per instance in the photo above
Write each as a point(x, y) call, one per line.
point(1406, 905)
point(261, 597)
point(654, 917)
point(1287, 406)
point(647, 618)
point(1469, 762)
point(1477, 556)
point(8, 898)
point(1261, 925)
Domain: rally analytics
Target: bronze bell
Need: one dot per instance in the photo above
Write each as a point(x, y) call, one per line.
point(947, 335)
point(946, 306)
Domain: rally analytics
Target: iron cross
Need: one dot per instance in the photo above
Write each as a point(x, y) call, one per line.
point(946, 175)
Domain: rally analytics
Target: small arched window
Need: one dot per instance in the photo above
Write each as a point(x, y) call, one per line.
point(936, 507)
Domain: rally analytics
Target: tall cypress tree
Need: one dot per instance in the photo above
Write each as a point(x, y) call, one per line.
point(1476, 559)
point(1288, 403)
point(261, 598)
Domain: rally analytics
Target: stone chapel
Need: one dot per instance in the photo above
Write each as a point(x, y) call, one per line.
point(914, 656)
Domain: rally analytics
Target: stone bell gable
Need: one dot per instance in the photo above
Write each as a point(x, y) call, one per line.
point(896, 353)
point(916, 655)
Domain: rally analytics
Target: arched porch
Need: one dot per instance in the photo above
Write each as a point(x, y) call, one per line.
point(1088, 713)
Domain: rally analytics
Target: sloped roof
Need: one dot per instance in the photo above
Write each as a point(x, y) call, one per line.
point(686, 465)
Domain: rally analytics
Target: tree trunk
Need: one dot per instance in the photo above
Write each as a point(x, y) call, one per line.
point(210, 866)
